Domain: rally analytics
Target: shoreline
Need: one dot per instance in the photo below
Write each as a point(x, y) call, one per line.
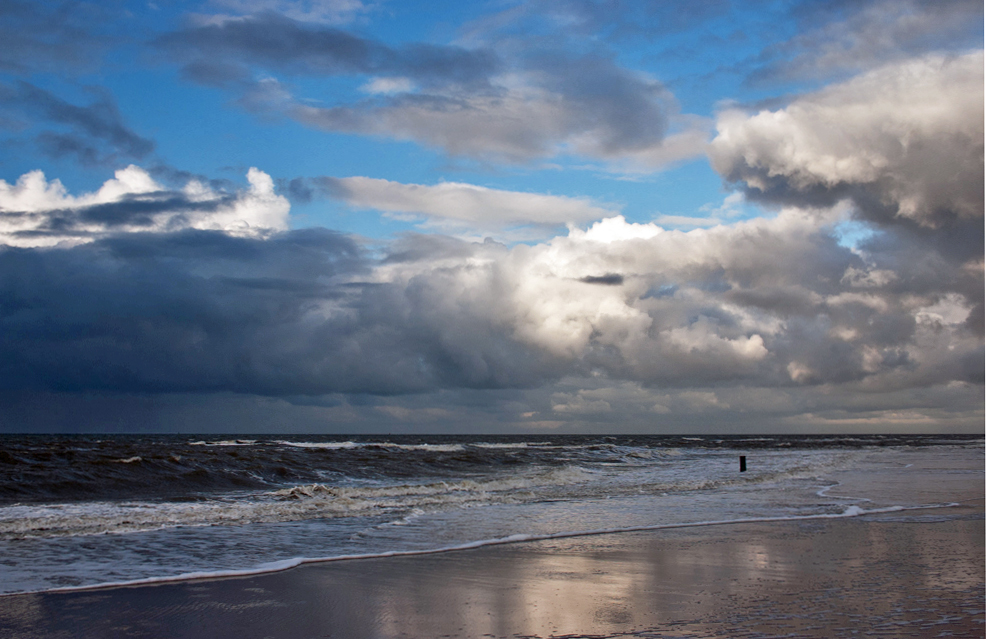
point(891, 574)
point(290, 564)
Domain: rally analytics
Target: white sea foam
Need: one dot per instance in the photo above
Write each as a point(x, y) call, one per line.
point(225, 442)
point(438, 448)
point(326, 445)
point(824, 493)
point(513, 445)
point(312, 501)
point(279, 566)
point(565, 475)
point(446, 448)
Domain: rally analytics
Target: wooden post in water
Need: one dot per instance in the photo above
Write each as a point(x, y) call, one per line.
point(742, 463)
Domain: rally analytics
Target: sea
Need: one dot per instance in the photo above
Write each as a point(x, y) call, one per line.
point(84, 511)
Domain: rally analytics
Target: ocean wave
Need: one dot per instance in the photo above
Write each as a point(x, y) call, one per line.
point(512, 445)
point(297, 503)
point(321, 445)
point(568, 475)
point(620, 471)
point(345, 497)
point(441, 448)
point(225, 442)
point(57, 469)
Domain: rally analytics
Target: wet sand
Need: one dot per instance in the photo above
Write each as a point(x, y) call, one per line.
point(887, 575)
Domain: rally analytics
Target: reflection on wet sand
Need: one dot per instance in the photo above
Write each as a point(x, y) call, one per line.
point(814, 578)
point(548, 591)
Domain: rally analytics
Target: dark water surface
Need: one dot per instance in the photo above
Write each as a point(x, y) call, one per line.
point(57, 468)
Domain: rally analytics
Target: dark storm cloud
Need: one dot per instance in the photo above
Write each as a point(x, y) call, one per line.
point(190, 311)
point(131, 210)
point(773, 303)
point(217, 53)
point(204, 312)
point(610, 279)
point(96, 132)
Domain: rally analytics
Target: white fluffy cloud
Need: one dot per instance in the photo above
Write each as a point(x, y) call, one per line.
point(36, 212)
point(772, 302)
point(904, 142)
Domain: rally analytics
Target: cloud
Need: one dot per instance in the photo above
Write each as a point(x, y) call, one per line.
point(686, 221)
point(222, 51)
point(204, 311)
point(461, 204)
point(41, 36)
point(831, 38)
point(582, 20)
point(161, 284)
point(319, 11)
point(193, 310)
point(36, 212)
point(388, 86)
point(95, 133)
point(610, 279)
point(514, 105)
point(687, 138)
point(585, 106)
point(615, 321)
point(580, 402)
point(136, 288)
point(840, 38)
point(903, 142)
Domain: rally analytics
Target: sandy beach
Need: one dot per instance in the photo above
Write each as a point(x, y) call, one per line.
point(887, 575)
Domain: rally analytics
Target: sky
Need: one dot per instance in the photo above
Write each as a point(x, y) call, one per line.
point(553, 216)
